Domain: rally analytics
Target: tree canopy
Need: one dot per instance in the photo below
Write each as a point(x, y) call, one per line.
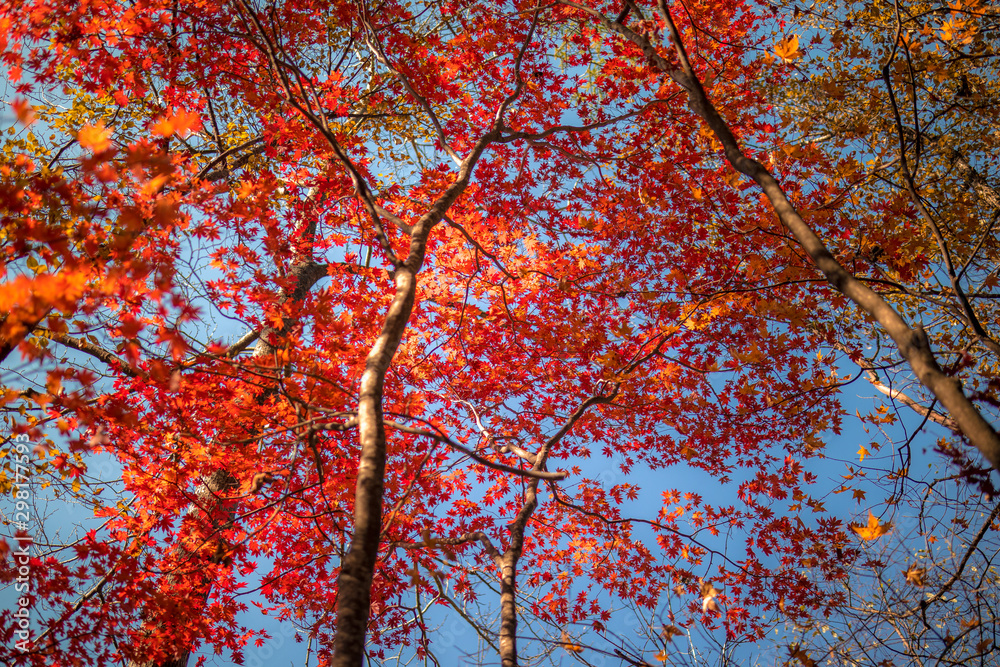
point(561, 320)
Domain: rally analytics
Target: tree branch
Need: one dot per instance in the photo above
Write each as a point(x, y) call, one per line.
point(433, 542)
point(536, 474)
point(81, 345)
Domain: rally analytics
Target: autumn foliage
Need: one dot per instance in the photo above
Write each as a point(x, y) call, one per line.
point(332, 311)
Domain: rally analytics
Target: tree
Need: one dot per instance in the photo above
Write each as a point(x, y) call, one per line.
point(916, 177)
point(921, 187)
point(486, 255)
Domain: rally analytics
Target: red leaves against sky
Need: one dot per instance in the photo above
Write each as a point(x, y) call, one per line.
point(624, 253)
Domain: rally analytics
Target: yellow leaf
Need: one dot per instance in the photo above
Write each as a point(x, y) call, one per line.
point(662, 656)
point(788, 48)
point(873, 530)
point(862, 452)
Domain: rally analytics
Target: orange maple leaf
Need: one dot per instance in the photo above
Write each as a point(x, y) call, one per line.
point(788, 48)
point(22, 109)
point(180, 122)
point(709, 593)
point(97, 138)
point(873, 530)
point(568, 643)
